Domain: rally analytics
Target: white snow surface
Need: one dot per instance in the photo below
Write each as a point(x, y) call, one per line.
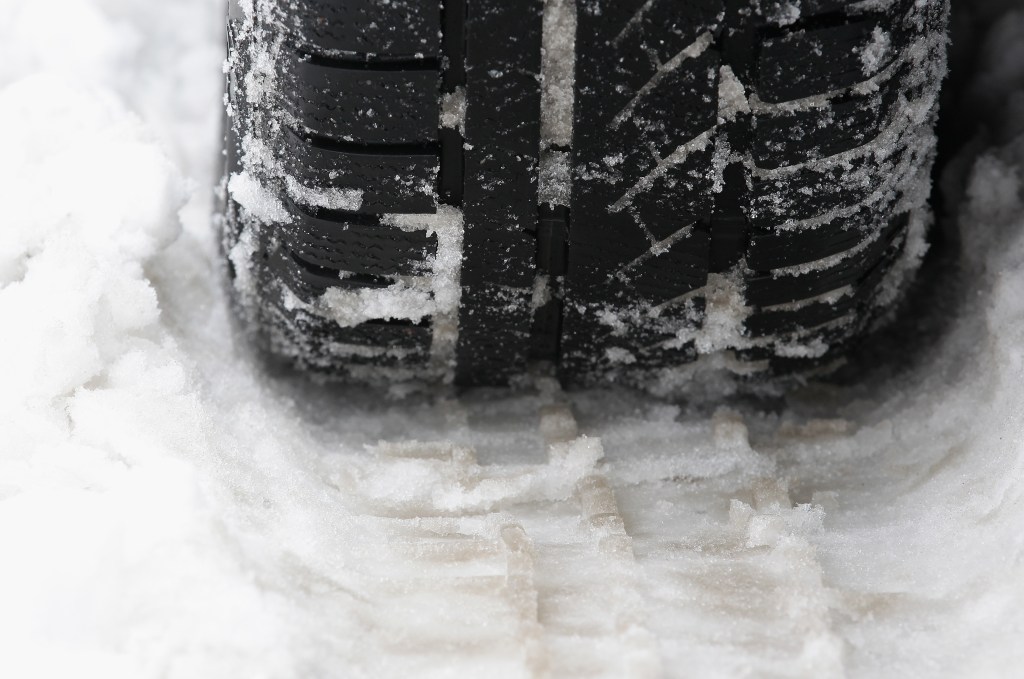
point(169, 508)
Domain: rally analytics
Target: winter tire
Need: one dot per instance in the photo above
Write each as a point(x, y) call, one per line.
point(629, 190)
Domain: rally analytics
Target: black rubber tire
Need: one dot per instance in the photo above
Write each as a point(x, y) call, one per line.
point(749, 182)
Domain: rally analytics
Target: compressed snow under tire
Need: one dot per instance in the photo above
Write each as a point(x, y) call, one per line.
point(451, 191)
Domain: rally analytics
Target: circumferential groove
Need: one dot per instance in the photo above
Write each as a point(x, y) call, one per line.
point(451, 173)
point(398, 323)
point(349, 280)
point(329, 215)
point(453, 44)
point(354, 148)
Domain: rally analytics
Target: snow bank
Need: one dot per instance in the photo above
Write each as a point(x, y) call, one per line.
point(168, 508)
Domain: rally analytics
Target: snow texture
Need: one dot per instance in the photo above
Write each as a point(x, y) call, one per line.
point(558, 77)
point(453, 110)
point(169, 508)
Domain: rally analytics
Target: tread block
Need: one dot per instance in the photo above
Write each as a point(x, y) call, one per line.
point(646, 38)
point(362, 105)
point(654, 330)
point(805, 63)
point(841, 343)
point(391, 179)
point(601, 351)
point(767, 289)
point(778, 9)
point(848, 122)
point(502, 143)
point(780, 365)
point(613, 120)
point(496, 348)
point(679, 108)
point(637, 178)
point(356, 243)
point(796, 365)
point(729, 227)
point(809, 192)
point(309, 281)
point(386, 334)
point(766, 323)
point(598, 247)
point(681, 196)
point(679, 270)
point(830, 335)
point(330, 349)
point(785, 249)
point(779, 248)
point(395, 27)
point(762, 323)
point(653, 358)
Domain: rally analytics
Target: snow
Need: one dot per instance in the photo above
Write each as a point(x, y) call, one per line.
point(558, 72)
point(875, 53)
point(724, 315)
point(558, 76)
point(256, 199)
point(732, 97)
point(784, 13)
point(554, 178)
point(453, 110)
point(169, 507)
point(332, 199)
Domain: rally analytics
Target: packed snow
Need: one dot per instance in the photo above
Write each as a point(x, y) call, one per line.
point(169, 507)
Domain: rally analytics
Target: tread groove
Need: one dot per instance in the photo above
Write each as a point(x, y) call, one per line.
point(328, 215)
point(370, 62)
point(350, 280)
point(353, 148)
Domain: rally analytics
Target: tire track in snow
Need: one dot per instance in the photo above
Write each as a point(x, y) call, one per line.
point(590, 606)
point(728, 566)
point(523, 568)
